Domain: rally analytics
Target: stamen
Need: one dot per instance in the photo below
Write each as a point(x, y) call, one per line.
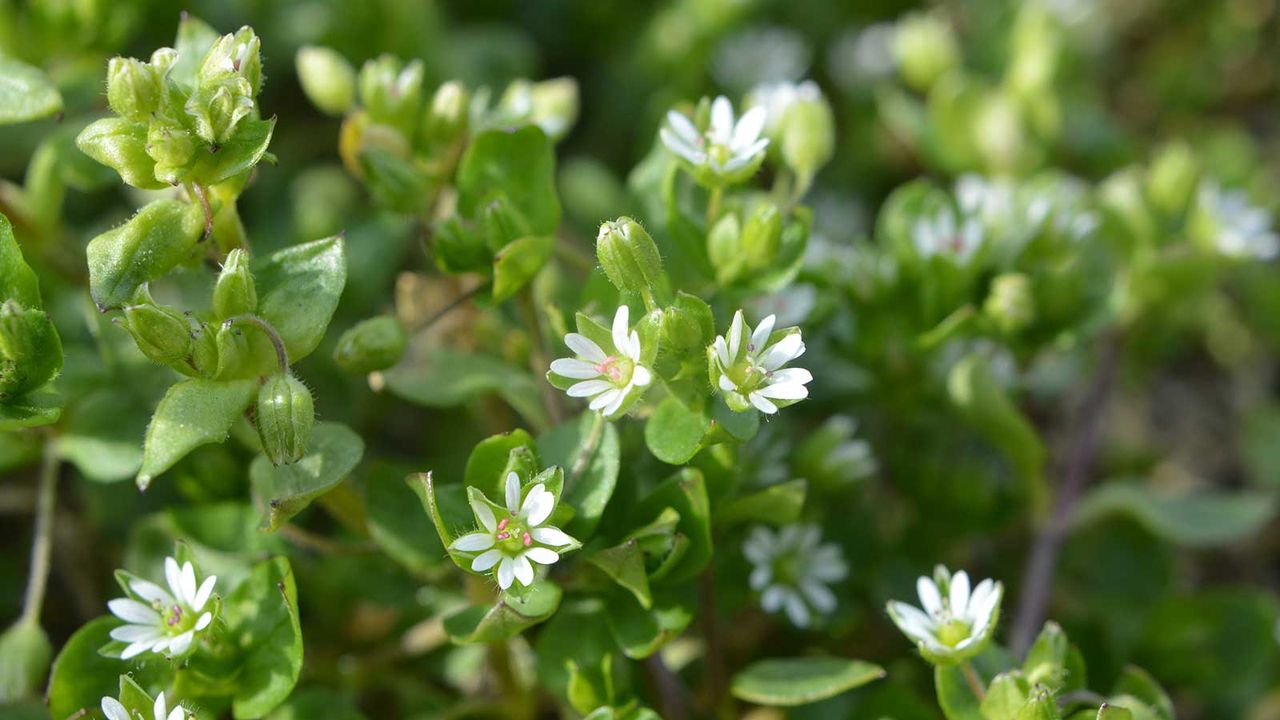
point(503, 525)
point(175, 616)
point(528, 539)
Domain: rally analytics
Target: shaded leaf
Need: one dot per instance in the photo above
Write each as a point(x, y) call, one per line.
point(26, 93)
point(587, 448)
point(193, 413)
point(519, 165)
point(516, 264)
point(1204, 519)
point(444, 377)
point(262, 619)
point(674, 433)
point(799, 681)
point(506, 618)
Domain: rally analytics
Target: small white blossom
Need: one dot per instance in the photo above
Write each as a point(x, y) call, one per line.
point(115, 711)
point(163, 620)
point(1243, 229)
point(777, 98)
point(607, 377)
point(942, 234)
point(748, 367)
point(511, 542)
point(955, 623)
point(792, 571)
point(729, 150)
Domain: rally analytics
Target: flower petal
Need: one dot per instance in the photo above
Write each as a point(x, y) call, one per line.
point(506, 572)
point(112, 708)
point(173, 575)
point(523, 570)
point(555, 537)
point(589, 388)
point(512, 492)
point(958, 594)
point(151, 592)
point(615, 404)
point(136, 633)
point(641, 376)
point(486, 560)
point(204, 621)
point(760, 338)
point(799, 376)
point(784, 391)
point(819, 595)
point(541, 555)
point(782, 352)
point(760, 577)
point(131, 610)
point(721, 129)
point(182, 643)
point(930, 598)
point(538, 506)
point(736, 330)
point(797, 611)
point(772, 598)
point(585, 347)
point(762, 404)
point(683, 127)
point(136, 649)
point(474, 542)
point(574, 368)
point(202, 595)
point(483, 513)
point(161, 708)
point(747, 131)
point(188, 583)
point(603, 399)
point(620, 328)
point(722, 352)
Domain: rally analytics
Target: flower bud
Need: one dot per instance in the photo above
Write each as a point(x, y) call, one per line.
point(926, 48)
point(808, 132)
point(445, 123)
point(30, 351)
point(392, 93)
point(687, 325)
point(373, 344)
point(162, 333)
point(134, 89)
point(173, 148)
point(1010, 302)
point(724, 247)
point(327, 78)
point(762, 236)
point(628, 255)
point(237, 55)
point(285, 415)
point(555, 106)
point(163, 60)
point(218, 109)
point(235, 293)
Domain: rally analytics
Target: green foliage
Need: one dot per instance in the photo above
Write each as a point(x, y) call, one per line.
point(799, 681)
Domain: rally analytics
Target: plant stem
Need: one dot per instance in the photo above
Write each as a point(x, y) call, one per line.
point(1037, 577)
point(42, 541)
point(714, 650)
point(588, 450)
point(453, 305)
point(975, 683)
point(196, 191)
point(538, 355)
point(713, 206)
point(672, 700)
point(282, 353)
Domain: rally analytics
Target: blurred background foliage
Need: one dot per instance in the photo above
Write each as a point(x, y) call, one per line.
point(1171, 563)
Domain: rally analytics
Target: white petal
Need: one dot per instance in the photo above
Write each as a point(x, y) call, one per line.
point(136, 649)
point(721, 129)
point(161, 645)
point(555, 537)
point(683, 127)
point(574, 368)
point(747, 132)
point(131, 610)
point(604, 398)
point(913, 623)
point(620, 328)
point(483, 513)
point(641, 376)
point(177, 714)
point(760, 338)
point(542, 555)
point(798, 376)
point(633, 346)
point(762, 404)
point(112, 708)
point(585, 347)
point(615, 404)
point(161, 708)
point(173, 575)
point(796, 610)
point(722, 352)
point(537, 508)
point(726, 384)
point(772, 598)
point(930, 598)
point(202, 595)
point(736, 329)
point(486, 560)
point(204, 621)
point(784, 391)
point(151, 592)
point(681, 146)
point(181, 643)
point(188, 583)
point(782, 352)
point(136, 633)
point(506, 572)
point(959, 594)
point(760, 577)
point(523, 570)
point(589, 388)
point(474, 542)
point(513, 492)
point(819, 595)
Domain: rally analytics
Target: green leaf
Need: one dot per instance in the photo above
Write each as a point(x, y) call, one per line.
point(31, 410)
point(444, 377)
point(298, 290)
point(262, 621)
point(26, 93)
point(1138, 683)
point(81, 677)
point(489, 458)
point(318, 702)
point(624, 563)
point(1111, 712)
point(397, 523)
point(674, 433)
point(587, 448)
point(459, 518)
point(193, 413)
point(509, 616)
point(18, 282)
point(519, 165)
point(954, 695)
point(283, 491)
point(777, 505)
point(1005, 696)
point(799, 681)
point(1202, 519)
point(103, 435)
point(516, 264)
point(642, 631)
point(24, 658)
point(686, 493)
point(578, 636)
point(122, 146)
point(237, 155)
point(157, 239)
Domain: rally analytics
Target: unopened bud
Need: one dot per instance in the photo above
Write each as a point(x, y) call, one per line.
point(327, 78)
point(762, 236)
point(285, 415)
point(628, 255)
point(445, 122)
point(235, 55)
point(555, 106)
point(1010, 303)
point(173, 149)
point(392, 93)
point(235, 293)
point(687, 325)
point(218, 110)
point(162, 333)
point(134, 90)
point(1173, 178)
point(724, 247)
point(808, 132)
point(373, 344)
point(926, 48)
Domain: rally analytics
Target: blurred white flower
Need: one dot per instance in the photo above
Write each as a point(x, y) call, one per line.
point(748, 366)
point(729, 151)
point(792, 571)
point(1243, 229)
point(163, 620)
point(115, 711)
point(760, 55)
point(517, 539)
point(956, 621)
point(777, 97)
point(946, 234)
point(607, 376)
point(861, 57)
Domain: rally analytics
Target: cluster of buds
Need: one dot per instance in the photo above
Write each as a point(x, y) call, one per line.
point(30, 350)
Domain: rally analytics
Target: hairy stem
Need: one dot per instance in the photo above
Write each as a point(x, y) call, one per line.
point(42, 542)
point(1037, 577)
point(975, 683)
point(454, 304)
point(282, 353)
point(538, 361)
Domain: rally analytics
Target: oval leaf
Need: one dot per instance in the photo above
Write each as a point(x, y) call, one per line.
point(519, 165)
point(283, 491)
point(193, 413)
point(507, 618)
point(26, 93)
point(1207, 519)
point(262, 618)
point(160, 236)
point(298, 290)
point(799, 681)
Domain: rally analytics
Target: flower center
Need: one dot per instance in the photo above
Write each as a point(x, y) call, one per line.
point(747, 375)
point(175, 617)
point(617, 368)
point(952, 632)
point(511, 537)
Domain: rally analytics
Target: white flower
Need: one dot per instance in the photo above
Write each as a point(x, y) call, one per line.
point(955, 623)
point(792, 571)
point(777, 98)
point(115, 711)
point(608, 378)
point(748, 368)
point(1243, 229)
point(729, 150)
point(942, 235)
point(511, 542)
point(163, 620)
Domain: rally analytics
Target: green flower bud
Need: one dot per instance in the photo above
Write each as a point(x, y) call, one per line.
point(373, 344)
point(237, 55)
point(502, 223)
point(628, 255)
point(327, 78)
point(24, 659)
point(762, 236)
point(687, 325)
point(30, 351)
point(285, 415)
point(174, 150)
point(724, 247)
point(1010, 302)
point(926, 48)
point(134, 89)
point(445, 123)
point(162, 333)
point(808, 134)
point(392, 93)
point(218, 109)
point(163, 60)
point(235, 293)
point(555, 106)
point(1173, 178)
point(204, 351)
